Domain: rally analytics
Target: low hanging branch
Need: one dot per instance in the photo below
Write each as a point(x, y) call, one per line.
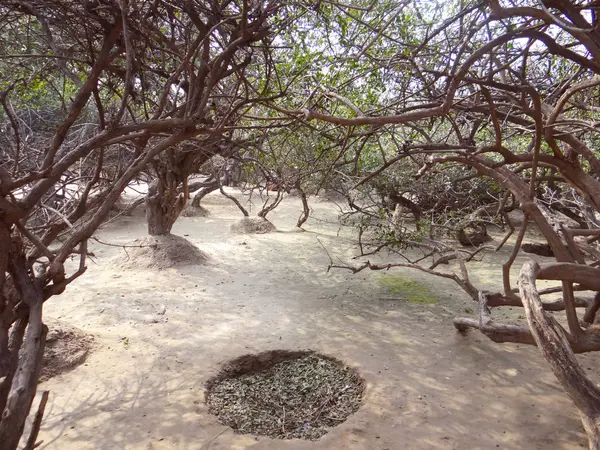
point(497, 332)
point(234, 200)
point(462, 282)
point(554, 345)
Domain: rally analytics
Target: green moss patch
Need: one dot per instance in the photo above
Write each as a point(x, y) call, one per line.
point(408, 290)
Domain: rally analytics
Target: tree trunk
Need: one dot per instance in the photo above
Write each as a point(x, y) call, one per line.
point(305, 209)
point(6, 316)
point(163, 206)
point(11, 353)
point(37, 423)
point(552, 341)
point(213, 186)
point(158, 218)
point(267, 208)
point(23, 384)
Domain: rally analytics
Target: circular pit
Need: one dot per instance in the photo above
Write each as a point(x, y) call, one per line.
point(284, 395)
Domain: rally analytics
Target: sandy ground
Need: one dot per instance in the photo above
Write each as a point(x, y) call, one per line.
point(159, 335)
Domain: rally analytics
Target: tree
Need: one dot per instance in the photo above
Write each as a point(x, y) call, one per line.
point(501, 91)
point(113, 87)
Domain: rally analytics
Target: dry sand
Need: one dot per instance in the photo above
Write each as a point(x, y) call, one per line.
point(160, 334)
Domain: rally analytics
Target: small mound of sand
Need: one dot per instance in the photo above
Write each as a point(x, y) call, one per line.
point(66, 348)
point(160, 252)
point(252, 225)
point(195, 211)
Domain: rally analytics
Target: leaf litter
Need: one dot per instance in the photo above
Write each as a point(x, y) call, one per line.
point(286, 395)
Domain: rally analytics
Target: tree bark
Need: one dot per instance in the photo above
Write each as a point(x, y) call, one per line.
point(206, 189)
point(236, 201)
point(594, 306)
point(6, 314)
point(12, 355)
point(37, 422)
point(24, 382)
point(163, 206)
point(556, 349)
point(267, 208)
point(497, 332)
point(305, 209)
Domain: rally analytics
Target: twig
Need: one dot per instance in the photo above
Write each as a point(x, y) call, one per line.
point(508, 264)
point(37, 422)
point(511, 230)
point(61, 215)
point(283, 422)
point(35, 241)
point(327, 253)
point(118, 245)
point(206, 444)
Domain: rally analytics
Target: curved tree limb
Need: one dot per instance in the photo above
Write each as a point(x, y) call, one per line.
point(556, 349)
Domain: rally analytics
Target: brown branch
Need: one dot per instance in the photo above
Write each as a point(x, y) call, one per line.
point(588, 277)
point(37, 423)
point(508, 264)
point(497, 332)
point(594, 306)
point(83, 95)
point(124, 6)
point(556, 349)
point(509, 233)
point(465, 285)
point(497, 299)
point(234, 200)
point(10, 113)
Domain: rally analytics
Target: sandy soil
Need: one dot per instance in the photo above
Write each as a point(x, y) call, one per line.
point(160, 334)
